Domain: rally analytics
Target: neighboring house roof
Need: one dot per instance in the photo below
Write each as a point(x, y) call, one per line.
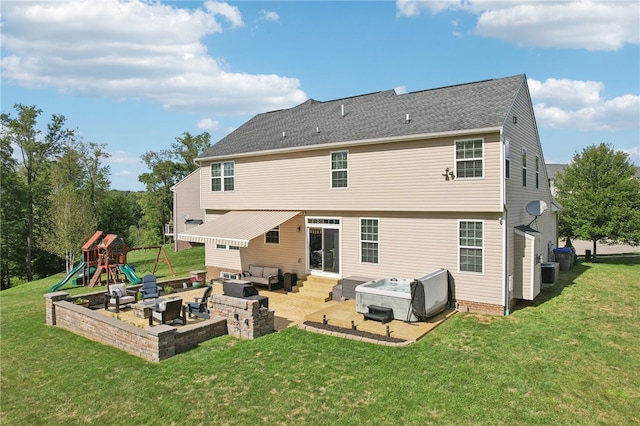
point(380, 115)
point(552, 169)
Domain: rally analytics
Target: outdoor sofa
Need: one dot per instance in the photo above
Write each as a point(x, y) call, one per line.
point(263, 276)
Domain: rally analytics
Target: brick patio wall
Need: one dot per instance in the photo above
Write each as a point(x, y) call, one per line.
point(244, 317)
point(152, 344)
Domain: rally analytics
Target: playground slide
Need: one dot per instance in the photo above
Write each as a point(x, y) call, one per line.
point(70, 275)
point(130, 274)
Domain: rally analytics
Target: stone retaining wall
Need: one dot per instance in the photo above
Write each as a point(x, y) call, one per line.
point(153, 343)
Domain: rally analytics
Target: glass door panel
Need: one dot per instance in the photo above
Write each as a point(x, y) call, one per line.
point(331, 247)
point(324, 249)
point(315, 249)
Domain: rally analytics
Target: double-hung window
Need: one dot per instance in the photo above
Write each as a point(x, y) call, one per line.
point(469, 158)
point(369, 241)
point(471, 246)
point(339, 169)
point(507, 158)
point(537, 172)
point(223, 176)
point(273, 236)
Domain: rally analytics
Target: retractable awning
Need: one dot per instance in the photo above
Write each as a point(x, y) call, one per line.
point(236, 228)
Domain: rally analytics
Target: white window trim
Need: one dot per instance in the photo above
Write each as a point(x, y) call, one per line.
point(507, 157)
point(277, 229)
point(229, 275)
point(331, 169)
point(525, 181)
point(455, 158)
point(484, 254)
point(222, 176)
point(368, 241)
point(227, 247)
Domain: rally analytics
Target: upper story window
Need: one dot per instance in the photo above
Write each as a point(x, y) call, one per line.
point(369, 241)
point(223, 176)
point(507, 158)
point(273, 236)
point(537, 172)
point(339, 169)
point(469, 158)
point(524, 167)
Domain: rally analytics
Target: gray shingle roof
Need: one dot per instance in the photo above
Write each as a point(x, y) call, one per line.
point(479, 105)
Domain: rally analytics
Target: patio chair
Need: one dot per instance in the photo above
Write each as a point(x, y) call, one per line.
point(150, 288)
point(166, 311)
point(199, 307)
point(119, 296)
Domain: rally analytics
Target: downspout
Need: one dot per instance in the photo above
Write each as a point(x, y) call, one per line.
point(505, 261)
point(504, 221)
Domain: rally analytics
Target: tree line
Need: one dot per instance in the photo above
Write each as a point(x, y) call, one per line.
point(55, 193)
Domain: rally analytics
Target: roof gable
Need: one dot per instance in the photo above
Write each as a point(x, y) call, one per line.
point(379, 115)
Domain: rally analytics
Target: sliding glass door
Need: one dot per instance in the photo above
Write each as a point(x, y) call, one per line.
point(323, 236)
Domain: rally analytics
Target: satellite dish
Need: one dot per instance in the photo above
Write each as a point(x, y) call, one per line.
point(536, 208)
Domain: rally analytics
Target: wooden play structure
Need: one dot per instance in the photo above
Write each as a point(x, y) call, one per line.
point(106, 254)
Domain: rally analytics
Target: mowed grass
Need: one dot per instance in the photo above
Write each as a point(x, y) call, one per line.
point(572, 357)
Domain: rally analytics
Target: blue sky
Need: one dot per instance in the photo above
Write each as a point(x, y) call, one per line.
point(134, 75)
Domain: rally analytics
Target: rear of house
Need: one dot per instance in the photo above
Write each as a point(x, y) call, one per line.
point(384, 185)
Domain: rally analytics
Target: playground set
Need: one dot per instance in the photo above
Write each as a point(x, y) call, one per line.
point(107, 254)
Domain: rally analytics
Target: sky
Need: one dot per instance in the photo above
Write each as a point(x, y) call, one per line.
point(135, 75)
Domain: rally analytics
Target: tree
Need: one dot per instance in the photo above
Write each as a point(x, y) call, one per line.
point(168, 167)
point(119, 211)
point(36, 154)
point(71, 223)
point(12, 206)
point(72, 215)
point(96, 175)
point(600, 196)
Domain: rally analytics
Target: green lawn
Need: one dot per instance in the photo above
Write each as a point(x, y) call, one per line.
point(573, 357)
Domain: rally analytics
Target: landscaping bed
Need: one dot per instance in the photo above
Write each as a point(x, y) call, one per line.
point(352, 332)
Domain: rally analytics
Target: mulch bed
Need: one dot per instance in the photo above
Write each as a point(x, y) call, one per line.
point(352, 332)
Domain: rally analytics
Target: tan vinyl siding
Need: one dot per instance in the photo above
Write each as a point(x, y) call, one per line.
point(413, 245)
point(523, 134)
point(226, 260)
point(399, 176)
point(289, 255)
point(186, 201)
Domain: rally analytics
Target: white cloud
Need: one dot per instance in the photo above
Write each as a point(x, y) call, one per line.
point(634, 153)
point(135, 49)
point(230, 13)
point(562, 103)
point(208, 124)
point(266, 15)
point(577, 24)
point(568, 92)
point(123, 157)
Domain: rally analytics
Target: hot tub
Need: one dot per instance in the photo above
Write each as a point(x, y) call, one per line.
point(395, 293)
